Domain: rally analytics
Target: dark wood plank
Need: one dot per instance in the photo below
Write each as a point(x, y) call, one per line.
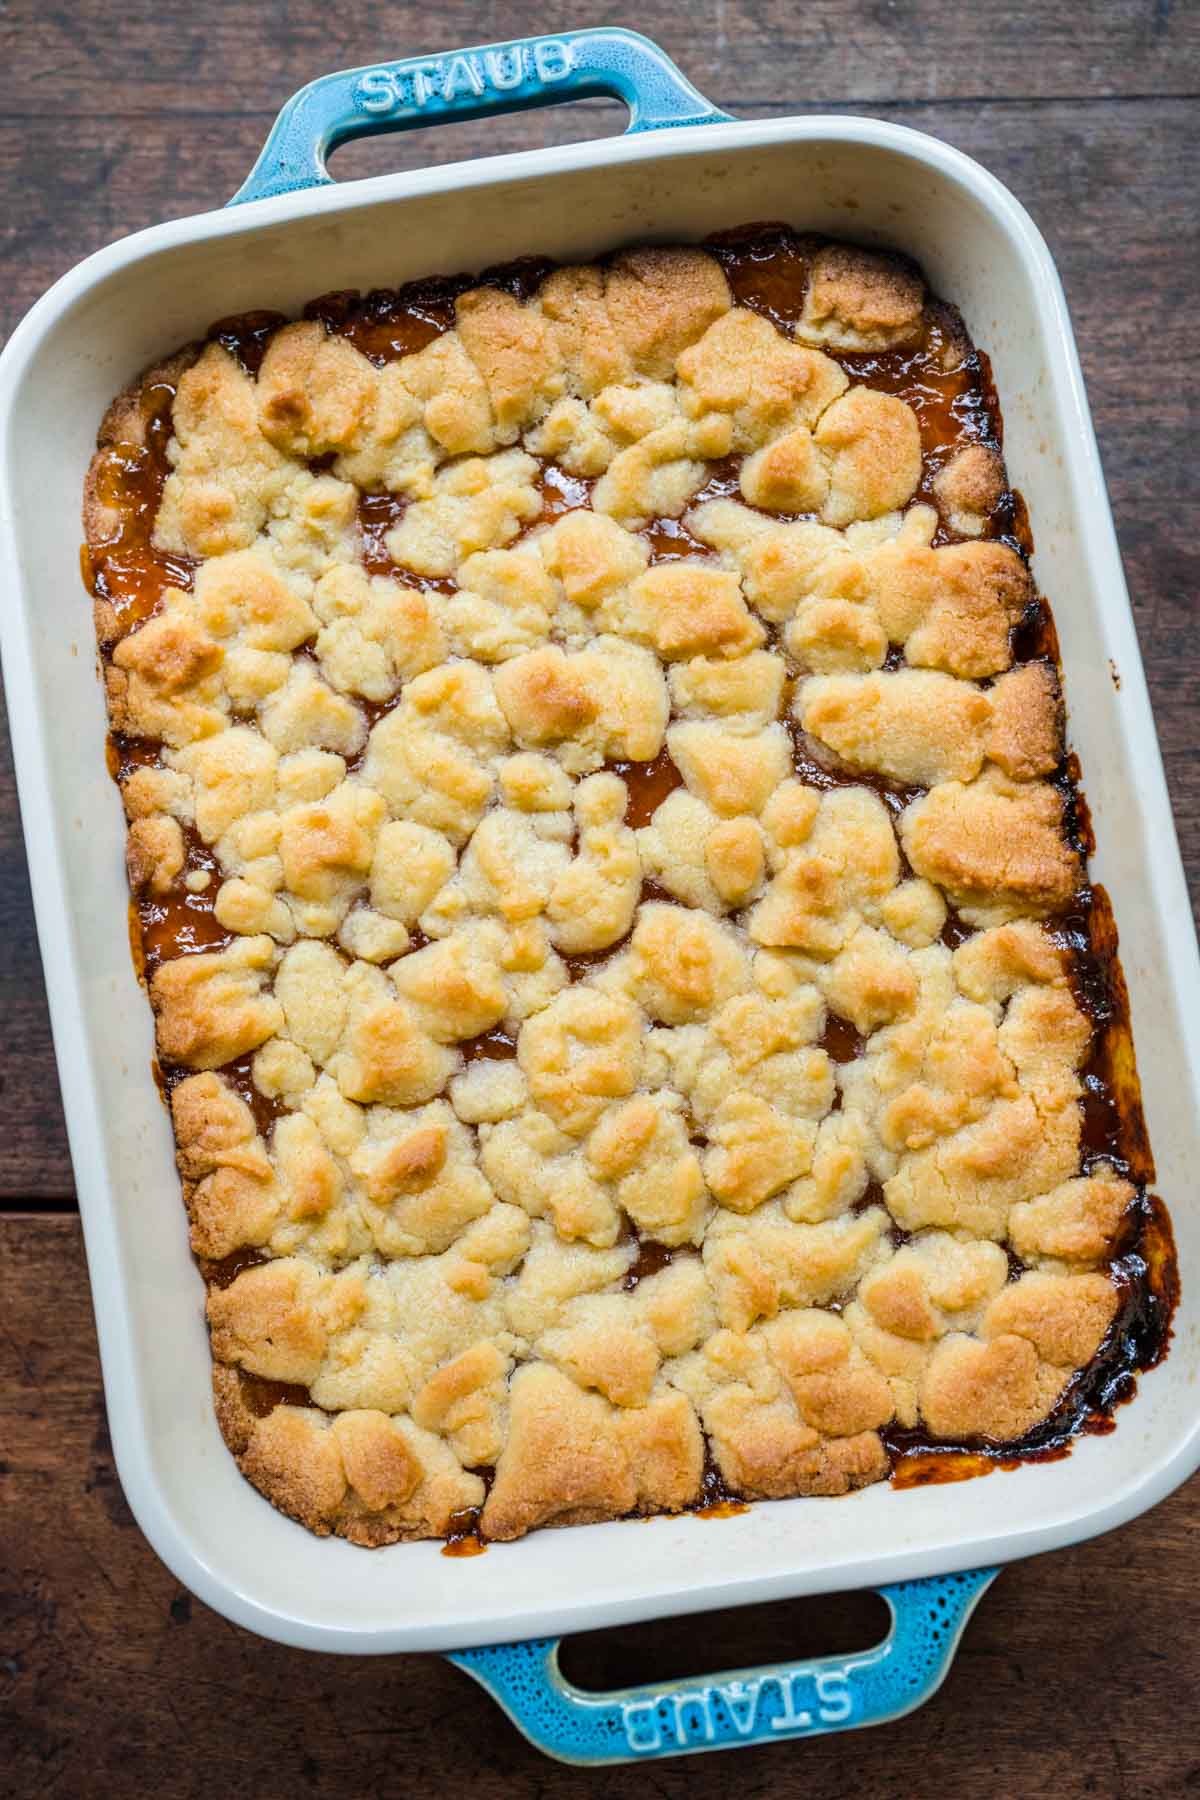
point(1076, 1676)
point(224, 56)
point(34, 1163)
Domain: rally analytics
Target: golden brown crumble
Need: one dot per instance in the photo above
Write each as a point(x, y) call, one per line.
point(514, 1133)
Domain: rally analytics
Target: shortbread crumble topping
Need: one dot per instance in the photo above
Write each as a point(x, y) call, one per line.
point(608, 887)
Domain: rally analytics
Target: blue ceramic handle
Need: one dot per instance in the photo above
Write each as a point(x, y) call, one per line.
point(743, 1706)
point(471, 84)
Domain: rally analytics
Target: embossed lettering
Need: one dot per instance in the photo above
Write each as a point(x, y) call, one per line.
point(505, 68)
point(641, 1734)
point(381, 90)
point(833, 1691)
point(790, 1719)
point(693, 1711)
point(700, 1703)
point(422, 88)
point(741, 1698)
point(460, 77)
point(552, 60)
point(376, 91)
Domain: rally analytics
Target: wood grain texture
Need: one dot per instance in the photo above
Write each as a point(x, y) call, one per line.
point(222, 56)
point(34, 1164)
point(1079, 1673)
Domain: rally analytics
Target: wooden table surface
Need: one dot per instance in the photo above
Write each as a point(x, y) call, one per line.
point(1080, 1672)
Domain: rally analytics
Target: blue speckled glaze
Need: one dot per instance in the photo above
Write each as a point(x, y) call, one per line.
point(743, 1706)
point(465, 84)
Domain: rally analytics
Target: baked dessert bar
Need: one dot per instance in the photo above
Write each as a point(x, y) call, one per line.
point(613, 897)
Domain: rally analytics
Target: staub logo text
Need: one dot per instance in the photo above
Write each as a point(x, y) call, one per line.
point(482, 74)
point(740, 1709)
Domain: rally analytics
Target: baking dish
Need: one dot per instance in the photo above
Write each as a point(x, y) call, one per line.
point(110, 317)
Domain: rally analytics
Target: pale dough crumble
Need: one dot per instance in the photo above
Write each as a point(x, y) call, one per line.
point(500, 1035)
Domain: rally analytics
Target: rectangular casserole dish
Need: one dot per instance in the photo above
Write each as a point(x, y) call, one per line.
point(115, 314)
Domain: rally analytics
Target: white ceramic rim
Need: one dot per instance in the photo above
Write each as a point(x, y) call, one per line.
point(47, 877)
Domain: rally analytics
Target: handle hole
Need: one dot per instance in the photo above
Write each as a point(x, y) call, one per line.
point(741, 1637)
point(457, 140)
